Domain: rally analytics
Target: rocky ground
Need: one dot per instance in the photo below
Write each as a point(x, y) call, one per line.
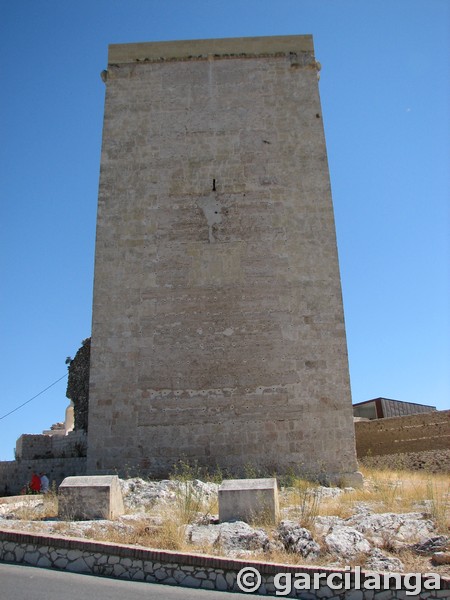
point(183, 515)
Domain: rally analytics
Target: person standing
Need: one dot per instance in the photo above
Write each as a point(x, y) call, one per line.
point(35, 483)
point(44, 483)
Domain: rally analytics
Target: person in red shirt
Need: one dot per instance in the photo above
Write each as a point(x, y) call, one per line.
point(35, 484)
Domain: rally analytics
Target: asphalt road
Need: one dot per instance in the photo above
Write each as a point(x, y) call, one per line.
point(19, 582)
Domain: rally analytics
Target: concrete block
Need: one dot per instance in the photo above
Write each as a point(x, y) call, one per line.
point(248, 499)
point(85, 498)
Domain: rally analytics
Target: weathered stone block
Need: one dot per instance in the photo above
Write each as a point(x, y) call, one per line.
point(248, 499)
point(98, 497)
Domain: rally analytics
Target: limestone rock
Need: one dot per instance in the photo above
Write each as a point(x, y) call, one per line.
point(432, 545)
point(297, 539)
point(233, 539)
point(396, 529)
point(346, 542)
point(362, 508)
point(202, 535)
point(323, 492)
point(325, 524)
point(139, 493)
point(378, 561)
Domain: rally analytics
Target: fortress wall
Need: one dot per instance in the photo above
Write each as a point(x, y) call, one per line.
point(35, 446)
point(409, 434)
point(58, 456)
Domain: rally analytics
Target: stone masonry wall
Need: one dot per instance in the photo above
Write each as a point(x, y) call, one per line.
point(218, 330)
point(39, 446)
point(186, 570)
point(409, 434)
point(432, 461)
point(15, 474)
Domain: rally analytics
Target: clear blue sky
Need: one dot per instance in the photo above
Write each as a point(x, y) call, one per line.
point(385, 92)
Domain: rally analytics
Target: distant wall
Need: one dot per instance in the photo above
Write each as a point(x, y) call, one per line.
point(431, 461)
point(40, 446)
point(15, 474)
point(409, 435)
point(58, 456)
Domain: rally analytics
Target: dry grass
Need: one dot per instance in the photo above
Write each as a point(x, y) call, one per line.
point(29, 511)
point(191, 505)
point(167, 534)
point(398, 492)
point(303, 501)
point(415, 563)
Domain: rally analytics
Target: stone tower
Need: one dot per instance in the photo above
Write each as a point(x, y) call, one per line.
point(218, 330)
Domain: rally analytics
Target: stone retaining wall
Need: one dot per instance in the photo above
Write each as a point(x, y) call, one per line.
point(174, 568)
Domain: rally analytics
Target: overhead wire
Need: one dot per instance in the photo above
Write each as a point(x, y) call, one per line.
point(34, 397)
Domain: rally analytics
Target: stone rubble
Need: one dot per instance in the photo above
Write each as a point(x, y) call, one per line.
point(138, 493)
point(435, 544)
point(397, 529)
point(346, 542)
point(297, 539)
point(378, 561)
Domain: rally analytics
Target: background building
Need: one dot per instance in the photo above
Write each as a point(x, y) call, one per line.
point(380, 408)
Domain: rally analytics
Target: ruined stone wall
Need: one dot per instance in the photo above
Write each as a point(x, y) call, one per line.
point(218, 329)
point(410, 436)
point(37, 446)
point(30, 445)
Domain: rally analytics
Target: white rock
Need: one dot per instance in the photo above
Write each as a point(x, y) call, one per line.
point(346, 542)
point(323, 492)
point(139, 493)
point(393, 528)
point(232, 539)
point(324, 525)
